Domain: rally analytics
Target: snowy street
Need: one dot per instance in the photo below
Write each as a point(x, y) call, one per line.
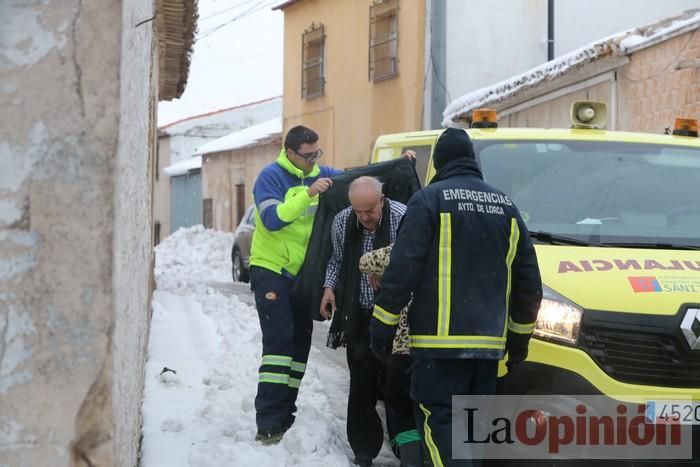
point(205, 329)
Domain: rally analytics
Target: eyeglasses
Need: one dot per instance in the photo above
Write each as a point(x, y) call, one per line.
point(310, 156)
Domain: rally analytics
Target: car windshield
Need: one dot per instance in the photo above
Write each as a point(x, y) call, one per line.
point(600, 192)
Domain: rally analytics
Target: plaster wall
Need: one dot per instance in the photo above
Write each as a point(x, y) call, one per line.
point(133, 255)
point(75, 134)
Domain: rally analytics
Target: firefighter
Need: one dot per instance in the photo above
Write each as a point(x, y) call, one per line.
point(463, 253)
point(286, 197)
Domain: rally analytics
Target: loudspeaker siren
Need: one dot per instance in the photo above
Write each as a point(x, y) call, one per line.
point(589, 114)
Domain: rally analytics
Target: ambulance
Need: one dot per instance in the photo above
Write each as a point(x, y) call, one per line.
point(615, 218)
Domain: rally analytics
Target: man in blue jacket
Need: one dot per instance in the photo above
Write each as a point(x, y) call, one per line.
point(463, 253)
point(286, 197)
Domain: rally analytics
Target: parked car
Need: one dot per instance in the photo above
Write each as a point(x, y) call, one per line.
point(240, 253)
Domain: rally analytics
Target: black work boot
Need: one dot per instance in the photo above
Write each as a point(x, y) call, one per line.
point(363, 460)
point(270, 436)
point(411, 454)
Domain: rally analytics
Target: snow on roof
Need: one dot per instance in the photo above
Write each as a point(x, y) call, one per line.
point(168, 128)
point(183, 167)
point(282, 4)
point(621, 43)
point(243, 138)
point(532, 77)
point(650, 35)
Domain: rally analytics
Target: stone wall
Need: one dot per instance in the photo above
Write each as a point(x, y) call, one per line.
point(75, 133)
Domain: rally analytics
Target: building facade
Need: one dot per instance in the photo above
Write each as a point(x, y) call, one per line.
point(647, 77)
point(178, 198)
point(488, 42)
point(357, 69)
point(80, 84)
point(352, 71)
point(230, 166)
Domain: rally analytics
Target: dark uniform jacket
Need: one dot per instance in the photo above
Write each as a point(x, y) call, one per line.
point(465, 254)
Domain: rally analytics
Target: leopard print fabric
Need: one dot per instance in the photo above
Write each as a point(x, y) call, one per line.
point(374, 262)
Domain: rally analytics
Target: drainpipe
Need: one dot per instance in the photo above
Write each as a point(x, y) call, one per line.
point(550, 30)
point(438, 66)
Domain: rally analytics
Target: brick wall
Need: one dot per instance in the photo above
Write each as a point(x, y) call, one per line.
point(652, 92)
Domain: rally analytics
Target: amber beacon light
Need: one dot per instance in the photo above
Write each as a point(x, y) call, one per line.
point(685, 127)
point(484, 118)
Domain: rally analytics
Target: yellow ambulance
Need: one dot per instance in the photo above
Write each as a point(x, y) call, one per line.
point(615, 218)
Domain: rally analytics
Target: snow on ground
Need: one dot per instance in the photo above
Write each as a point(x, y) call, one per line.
point(202, 329)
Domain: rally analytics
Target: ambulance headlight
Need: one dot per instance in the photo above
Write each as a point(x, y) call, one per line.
point(558, 319)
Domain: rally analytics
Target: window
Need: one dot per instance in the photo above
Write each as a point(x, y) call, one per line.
point(207, 214)
point(383, 39)
point(422, 158)
point(614, 202)
point(312, 70)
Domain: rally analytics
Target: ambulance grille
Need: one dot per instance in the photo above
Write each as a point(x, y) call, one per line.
point(644, 358)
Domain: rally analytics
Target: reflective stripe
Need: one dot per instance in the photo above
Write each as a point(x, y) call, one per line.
point(406, 437)
point(274, 378)
point(277, 360)
point(294, 383)
point(267, 203)
point(520, 328)
point(512, 250)
point(385, 317)
point(432, 447)
point(444, 274)
point(311, 210)
point(298, 367)
point(459, 342)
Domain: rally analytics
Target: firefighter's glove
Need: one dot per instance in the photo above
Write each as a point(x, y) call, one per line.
point(381, 339)
point(514, 361)
point(517, 351)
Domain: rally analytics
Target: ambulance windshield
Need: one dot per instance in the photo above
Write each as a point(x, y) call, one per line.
point(600, 192)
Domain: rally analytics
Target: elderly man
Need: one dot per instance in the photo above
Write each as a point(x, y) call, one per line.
point(369, 223)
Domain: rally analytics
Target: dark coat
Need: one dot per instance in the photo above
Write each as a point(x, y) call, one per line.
point(400, 182)
point(464, 253)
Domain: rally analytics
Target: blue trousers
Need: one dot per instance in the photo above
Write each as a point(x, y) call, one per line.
point(286, 341)
point(433, 383)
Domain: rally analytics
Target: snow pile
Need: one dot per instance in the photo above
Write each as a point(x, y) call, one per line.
point(202, 371)
point(631, 41)
point(193, 255)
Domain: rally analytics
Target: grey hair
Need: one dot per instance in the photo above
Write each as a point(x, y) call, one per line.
point(366, 181)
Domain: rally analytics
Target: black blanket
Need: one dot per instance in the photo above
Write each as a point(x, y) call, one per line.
point(400, 182)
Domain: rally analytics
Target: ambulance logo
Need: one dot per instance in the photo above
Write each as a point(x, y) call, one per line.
point(645, 284)
point(691, 328)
